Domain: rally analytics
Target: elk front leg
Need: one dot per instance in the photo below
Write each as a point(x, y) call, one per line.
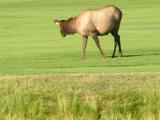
point(98, 45)
point(85, 39)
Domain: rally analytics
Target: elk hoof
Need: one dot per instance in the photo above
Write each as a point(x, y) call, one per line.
point(113, 56)
point(83, 58)
point(104, 56)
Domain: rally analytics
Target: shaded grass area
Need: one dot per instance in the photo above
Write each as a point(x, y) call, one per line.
point(31, 43)
point(81, 96)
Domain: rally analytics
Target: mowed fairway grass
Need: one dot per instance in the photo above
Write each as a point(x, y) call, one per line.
point(42, 76)
point(30, 43)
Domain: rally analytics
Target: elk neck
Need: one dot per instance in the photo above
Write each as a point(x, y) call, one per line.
point(69, 26)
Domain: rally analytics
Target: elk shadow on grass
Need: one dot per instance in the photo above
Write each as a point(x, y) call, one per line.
point(142, 54)
point(132, 55)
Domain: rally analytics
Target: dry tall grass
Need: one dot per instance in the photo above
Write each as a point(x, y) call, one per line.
point(81, 97)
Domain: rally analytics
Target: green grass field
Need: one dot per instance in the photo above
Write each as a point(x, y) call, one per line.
point(31, 43)
point(42, 76)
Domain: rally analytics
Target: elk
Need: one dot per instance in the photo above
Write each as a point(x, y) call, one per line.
point(94, 23)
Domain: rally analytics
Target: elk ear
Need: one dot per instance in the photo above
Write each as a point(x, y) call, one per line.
point(56, 21)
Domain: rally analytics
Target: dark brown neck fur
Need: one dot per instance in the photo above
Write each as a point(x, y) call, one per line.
point(69, 26)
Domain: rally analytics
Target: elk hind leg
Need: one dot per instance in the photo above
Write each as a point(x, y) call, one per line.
point(116, 41)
